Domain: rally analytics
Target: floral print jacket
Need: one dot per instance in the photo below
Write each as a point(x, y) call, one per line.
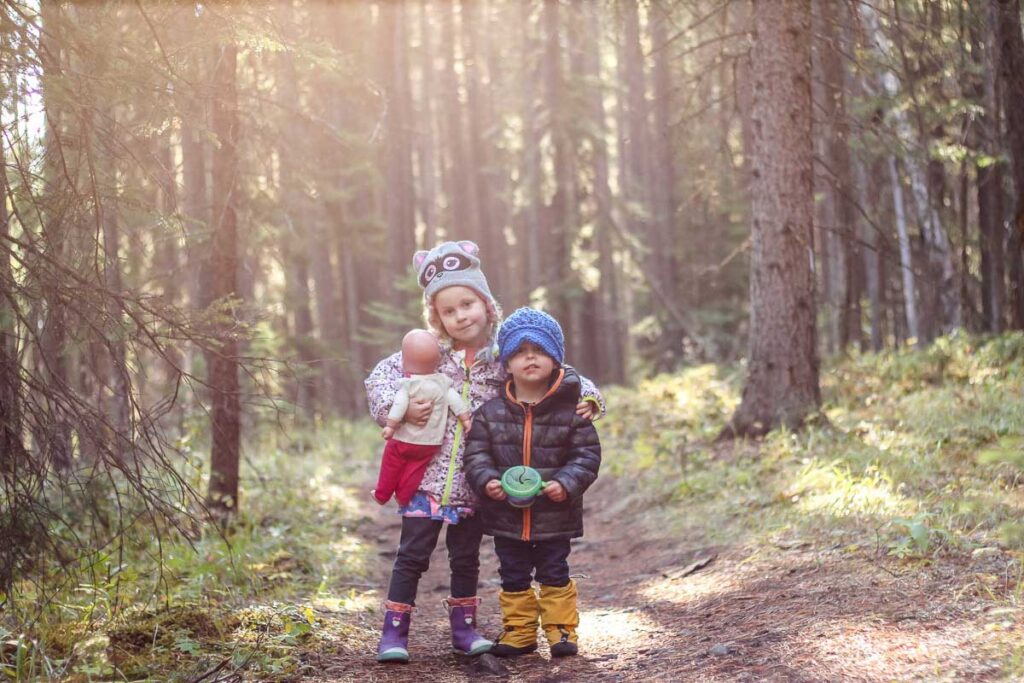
point(444, 479)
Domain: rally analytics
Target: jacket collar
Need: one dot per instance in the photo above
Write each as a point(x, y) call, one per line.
point(564, 388)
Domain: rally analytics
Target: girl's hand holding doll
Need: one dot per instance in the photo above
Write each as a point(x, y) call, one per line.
point(418, 412)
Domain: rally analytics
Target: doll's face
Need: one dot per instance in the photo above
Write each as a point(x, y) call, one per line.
point(420, 353)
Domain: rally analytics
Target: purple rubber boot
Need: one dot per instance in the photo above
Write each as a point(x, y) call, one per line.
point(462, 615)
point(394, 640)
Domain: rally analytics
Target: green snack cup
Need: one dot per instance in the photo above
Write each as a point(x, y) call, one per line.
point(522, 484)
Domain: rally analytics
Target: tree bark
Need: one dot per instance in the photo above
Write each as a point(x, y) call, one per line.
point(984, 136)
point(54, 438)
point(1011, 76)
point(560, 280)
point(841, 218)
point(666, 235)
point(399, 189)
point(225, 427)
point(458, 180)
point(480, 147)
point(603, 313)
point(425, 135)
point(11, 444)
point(782, 385)
point(530, 216)
point(296, 246)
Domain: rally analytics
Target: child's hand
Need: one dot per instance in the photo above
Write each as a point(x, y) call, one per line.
point(555, 491)
point(586, 409)
point(387, 433)
point(467, 422)
point(418, 411)
point(495, 491)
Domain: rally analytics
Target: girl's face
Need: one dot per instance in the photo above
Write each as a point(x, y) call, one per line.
point(464, 316)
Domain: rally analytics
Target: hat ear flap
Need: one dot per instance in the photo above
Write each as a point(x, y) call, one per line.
point(418, 258)
point(469, 247)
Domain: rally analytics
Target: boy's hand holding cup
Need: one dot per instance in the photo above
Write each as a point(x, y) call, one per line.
point(494, 490)
point(555, 491)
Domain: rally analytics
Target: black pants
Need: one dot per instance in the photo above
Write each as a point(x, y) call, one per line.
point(522, 561)
point(419, 537)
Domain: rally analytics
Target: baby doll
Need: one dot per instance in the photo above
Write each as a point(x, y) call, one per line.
point(409, 447)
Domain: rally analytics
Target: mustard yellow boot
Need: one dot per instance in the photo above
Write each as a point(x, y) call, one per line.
point(559, 618)
point(520, 615)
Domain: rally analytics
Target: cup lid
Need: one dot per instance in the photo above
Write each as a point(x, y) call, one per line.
point(521, 481)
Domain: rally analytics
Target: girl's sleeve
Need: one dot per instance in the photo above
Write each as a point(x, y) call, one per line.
point(382, 385)
point(590, 392)
point(580, 469)
point(477, 461)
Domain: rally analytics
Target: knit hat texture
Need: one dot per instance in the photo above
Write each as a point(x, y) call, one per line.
point(528, 324)
point(449, 264)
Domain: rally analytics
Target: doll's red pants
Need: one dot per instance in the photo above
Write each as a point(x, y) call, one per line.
point(401, 470)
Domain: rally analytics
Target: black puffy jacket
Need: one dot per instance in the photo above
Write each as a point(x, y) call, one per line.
point(548, 436)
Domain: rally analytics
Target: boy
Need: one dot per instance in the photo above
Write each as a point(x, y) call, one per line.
point(534, 422)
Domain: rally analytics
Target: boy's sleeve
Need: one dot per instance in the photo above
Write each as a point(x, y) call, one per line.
point(455, 402)
point(382, 385)
point(580, 471)
point(400, 403)
point(477, 461)
point(590, 392)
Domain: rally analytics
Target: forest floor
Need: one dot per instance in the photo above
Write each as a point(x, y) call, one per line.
point(882, 543)
point(798, 609)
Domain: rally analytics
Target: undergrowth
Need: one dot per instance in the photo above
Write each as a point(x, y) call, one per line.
point(922, 452)
point(259, 599)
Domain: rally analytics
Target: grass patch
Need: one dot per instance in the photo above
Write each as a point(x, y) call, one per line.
point(923, 454)
point(261, 600)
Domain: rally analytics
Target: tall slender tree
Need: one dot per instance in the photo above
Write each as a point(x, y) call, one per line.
point(782, 384)
point(225, 424)
point(1011, 75)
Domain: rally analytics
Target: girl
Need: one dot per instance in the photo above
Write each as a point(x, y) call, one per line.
point(461, 311)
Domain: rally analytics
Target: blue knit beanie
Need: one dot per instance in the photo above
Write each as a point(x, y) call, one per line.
point(527, 324)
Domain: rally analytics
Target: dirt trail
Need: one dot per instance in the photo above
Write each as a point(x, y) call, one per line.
point(789, 612)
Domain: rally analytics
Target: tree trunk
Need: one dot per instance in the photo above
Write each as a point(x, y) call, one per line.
point(782, 385)
point(480, 147)
point(11, 444)
point(906, 257)
point(1011, 75)
point(399, 188)
point(605, 359)
point(563, 291)
point(984, 136)
point(665, 233)
point(296, 247)
point(458, 187)
point(425, 136)
point(225, 425)
point(872, 252)
point(54, 439)
point(841, 219)
point(530, 218)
